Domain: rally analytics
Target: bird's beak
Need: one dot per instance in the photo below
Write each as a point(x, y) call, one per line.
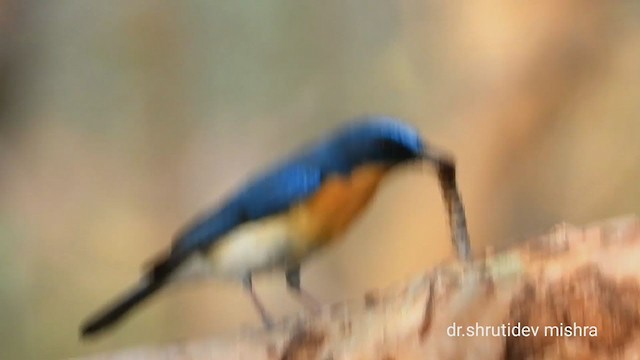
point(441, 160)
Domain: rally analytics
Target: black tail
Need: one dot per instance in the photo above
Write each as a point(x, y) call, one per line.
point(120, 307)
point(160, 272)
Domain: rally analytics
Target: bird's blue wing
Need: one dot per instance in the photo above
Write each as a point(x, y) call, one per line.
point(269, 195)
point(278, 192)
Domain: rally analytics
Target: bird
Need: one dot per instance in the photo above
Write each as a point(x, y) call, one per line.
point(281, 216)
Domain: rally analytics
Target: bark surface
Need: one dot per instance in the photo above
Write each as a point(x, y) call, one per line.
point(581, 279)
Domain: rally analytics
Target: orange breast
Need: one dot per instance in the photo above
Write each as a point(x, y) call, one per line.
point(331, 210)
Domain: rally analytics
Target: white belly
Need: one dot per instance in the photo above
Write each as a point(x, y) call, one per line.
point(252, 247)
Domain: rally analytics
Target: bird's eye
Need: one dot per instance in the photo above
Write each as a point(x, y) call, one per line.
point(387, 145)
point(390, 146)
point(394, 149)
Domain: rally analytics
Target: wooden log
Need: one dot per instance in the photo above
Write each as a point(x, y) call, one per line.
point(579, 287)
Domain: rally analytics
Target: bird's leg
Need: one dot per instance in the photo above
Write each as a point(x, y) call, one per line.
point(457, 219)
point(266, 319)
point(293, 284)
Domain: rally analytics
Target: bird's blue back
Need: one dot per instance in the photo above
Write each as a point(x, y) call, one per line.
point(296, 179)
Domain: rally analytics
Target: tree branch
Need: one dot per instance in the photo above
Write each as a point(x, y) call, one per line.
point(583, 278)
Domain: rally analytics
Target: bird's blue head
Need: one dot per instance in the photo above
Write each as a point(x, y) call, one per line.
point(378, 139)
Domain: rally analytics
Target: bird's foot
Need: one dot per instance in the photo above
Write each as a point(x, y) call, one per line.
point(309, 302)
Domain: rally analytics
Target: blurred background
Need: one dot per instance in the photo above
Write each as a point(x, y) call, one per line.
point(120, 120)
